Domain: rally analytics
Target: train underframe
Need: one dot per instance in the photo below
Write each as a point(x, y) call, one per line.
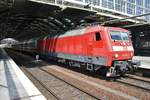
point(118, 68)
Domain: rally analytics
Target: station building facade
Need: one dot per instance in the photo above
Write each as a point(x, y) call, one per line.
point(127, 7)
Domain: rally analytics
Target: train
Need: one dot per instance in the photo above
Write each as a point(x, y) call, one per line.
point(97, 48)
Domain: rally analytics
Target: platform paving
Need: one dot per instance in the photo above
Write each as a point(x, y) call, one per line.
point(14, 85)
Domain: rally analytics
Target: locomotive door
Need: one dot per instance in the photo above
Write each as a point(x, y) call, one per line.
point(97, 44)
point(94, 43)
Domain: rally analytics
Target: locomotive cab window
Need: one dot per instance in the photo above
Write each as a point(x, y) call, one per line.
point(97, 36)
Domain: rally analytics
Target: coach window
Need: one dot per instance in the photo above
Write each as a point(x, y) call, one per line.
point(97, 36)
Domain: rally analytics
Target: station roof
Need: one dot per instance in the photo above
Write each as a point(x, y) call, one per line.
point(28, 19)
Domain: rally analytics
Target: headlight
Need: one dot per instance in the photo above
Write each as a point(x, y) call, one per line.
point(116, 55)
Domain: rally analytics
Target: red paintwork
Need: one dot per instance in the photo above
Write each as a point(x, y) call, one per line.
point(86, 45)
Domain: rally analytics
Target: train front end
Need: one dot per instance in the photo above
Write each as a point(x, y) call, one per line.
point(122, 53)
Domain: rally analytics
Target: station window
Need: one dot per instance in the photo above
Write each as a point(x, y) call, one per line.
point(139, 10)
point(111, 4)
point(147, 4)
point(80, 0)
point(131, 1)
point(148, 16)
point(88, 1)
point(104, 3)
point(96, 2)
point(139, 2)
point(97, 36)
point(108, 4)
point(130, 8)
point(120, 5)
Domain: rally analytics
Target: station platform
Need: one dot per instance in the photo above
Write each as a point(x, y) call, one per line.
point(14, 85)
point(145, 61)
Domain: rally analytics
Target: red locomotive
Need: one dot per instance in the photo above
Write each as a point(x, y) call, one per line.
point(98, 48)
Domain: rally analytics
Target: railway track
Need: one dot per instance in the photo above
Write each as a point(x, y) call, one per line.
point(57, 87)
point(41, 83)
point(136, 82)
point(140, 78)
point(141, 72)
point(88, 87)
point(60, 89)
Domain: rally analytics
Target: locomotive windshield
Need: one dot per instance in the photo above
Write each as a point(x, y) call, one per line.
point(118, 35)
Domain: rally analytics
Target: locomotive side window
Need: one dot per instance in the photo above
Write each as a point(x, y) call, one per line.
point(97, 36)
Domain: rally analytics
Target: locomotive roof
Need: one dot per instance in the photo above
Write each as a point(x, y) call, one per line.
point(75, 32)
point(95, 28)
point(81, 31)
